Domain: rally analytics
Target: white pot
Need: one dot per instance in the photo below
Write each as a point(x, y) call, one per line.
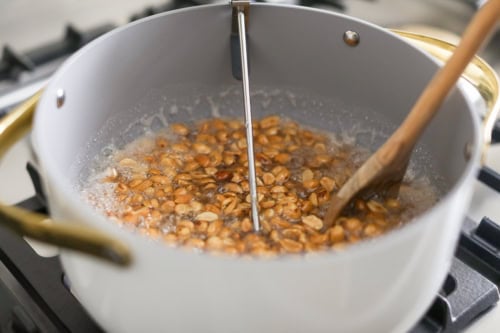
point(378, 286)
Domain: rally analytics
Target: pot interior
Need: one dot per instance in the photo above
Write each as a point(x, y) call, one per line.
point(176, 67)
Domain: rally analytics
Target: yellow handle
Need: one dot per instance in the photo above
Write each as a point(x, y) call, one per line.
point(37, 226)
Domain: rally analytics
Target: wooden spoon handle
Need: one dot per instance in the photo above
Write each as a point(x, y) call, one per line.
point(436, 91)
point(388, 164)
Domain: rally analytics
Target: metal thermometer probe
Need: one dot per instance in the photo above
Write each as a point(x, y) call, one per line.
point(239, 8)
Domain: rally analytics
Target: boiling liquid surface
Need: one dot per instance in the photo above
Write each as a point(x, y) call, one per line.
point(186, 184)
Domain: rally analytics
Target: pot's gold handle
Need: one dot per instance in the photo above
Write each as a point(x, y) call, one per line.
point(37, 226)
point(478, 73)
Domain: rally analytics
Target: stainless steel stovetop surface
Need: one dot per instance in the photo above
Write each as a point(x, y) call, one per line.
point(27, 24)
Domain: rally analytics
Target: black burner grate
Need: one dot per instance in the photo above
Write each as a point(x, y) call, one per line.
point(471, 286)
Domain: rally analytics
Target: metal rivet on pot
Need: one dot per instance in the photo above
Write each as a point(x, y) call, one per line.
point(60, 97)
point(351, 38)
point(468, 151)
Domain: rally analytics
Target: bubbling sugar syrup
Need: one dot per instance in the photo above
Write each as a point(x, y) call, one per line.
point(359, 135)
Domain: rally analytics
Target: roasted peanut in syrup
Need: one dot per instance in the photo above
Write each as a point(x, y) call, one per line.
point(188, 186)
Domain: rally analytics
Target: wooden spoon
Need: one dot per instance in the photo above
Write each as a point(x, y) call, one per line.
point(388, 164)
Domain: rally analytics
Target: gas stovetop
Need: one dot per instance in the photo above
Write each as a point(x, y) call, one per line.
point(35, 295)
